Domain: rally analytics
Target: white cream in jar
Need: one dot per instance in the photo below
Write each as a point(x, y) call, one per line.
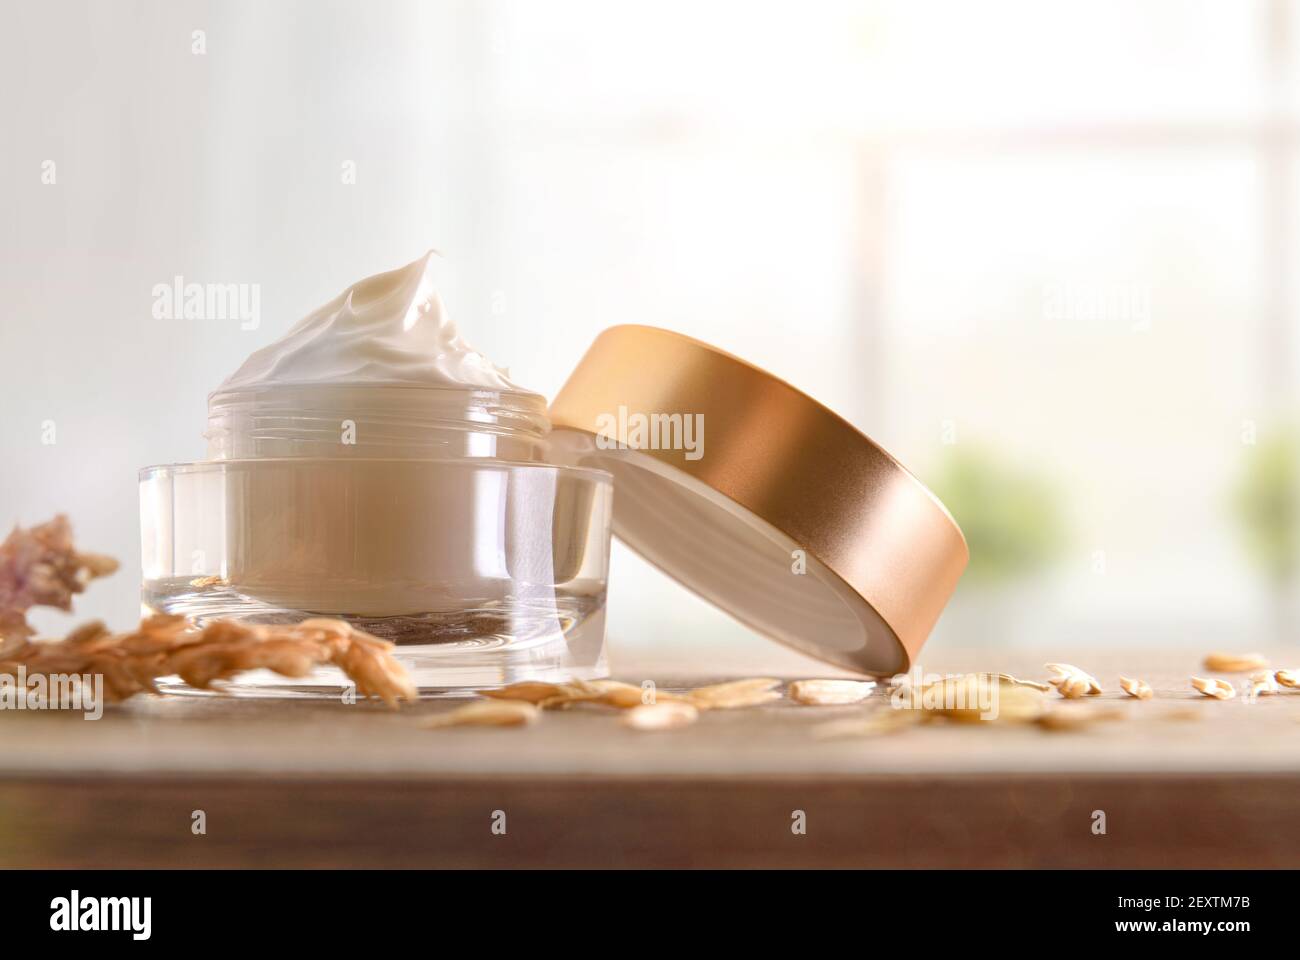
point(388, 329)
point(370, 464)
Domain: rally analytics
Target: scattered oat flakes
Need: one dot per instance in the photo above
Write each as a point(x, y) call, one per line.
point(1213, 687)
point(1015, 703)
point(1016, 681)
point(547, 696)
point(487, 713)
point(566, 698)
point(1261, 684)
point(963, 698)
point(830, 691)
point(734, 693)
point(574, 692)
point(1020, 704)
point(1071, 682)
point(1136, 688)
point(973, 697)
point(530, 691)
point(609, 693)
point(626, 696)
point(1075, 716)
point(1235, 662)
point(663, 715)
point(1289, 677)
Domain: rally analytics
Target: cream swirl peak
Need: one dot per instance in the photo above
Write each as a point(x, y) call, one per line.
point(391, 328)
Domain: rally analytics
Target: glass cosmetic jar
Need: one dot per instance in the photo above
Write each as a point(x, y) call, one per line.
point(428, 516)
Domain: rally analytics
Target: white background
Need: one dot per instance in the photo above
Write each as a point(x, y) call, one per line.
point(874, 200)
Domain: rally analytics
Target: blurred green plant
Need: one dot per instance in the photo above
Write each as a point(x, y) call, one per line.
point(1011, 518)
point(1267, 504)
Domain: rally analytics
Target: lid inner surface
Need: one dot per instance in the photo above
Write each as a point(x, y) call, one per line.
point(744, 565)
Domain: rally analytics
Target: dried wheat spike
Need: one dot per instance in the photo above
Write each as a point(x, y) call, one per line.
point(166, 644)
point(40, 567)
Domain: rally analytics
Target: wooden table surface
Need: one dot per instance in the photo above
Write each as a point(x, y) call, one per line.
point(1182, 781)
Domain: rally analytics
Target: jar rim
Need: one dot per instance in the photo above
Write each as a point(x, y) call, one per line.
point(475, 463)
point(387, 419)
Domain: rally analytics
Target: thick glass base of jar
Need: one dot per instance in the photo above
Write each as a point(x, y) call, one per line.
point(447, 654)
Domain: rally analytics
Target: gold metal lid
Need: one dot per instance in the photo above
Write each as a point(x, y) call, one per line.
point(760, 499)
